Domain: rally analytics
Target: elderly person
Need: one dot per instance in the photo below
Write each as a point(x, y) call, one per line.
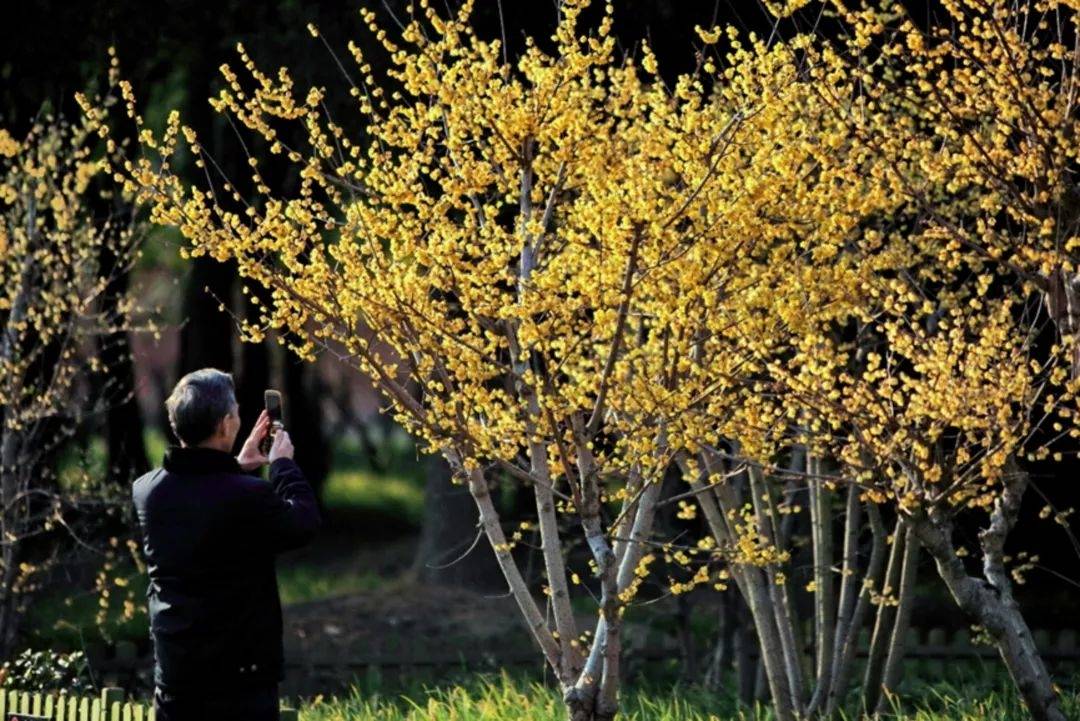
point(210, 535)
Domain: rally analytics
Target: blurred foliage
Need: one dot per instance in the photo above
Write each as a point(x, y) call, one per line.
point(378, 477)
point(70, 616)
point(82, 463)
point(48, 671)
point(383, 448)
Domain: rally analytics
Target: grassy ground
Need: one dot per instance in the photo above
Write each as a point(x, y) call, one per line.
point(366, 503)
point(360, 490)
point(301, 582)
point(376, 500)
point(503, 698)
point(388, 486)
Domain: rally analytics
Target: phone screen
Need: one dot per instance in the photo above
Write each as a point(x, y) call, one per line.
point(273, 405)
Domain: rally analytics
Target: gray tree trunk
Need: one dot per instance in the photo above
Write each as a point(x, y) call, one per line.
point(989, 601)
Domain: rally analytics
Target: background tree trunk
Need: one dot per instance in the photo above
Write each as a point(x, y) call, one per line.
point(447, 530)
point(126, 449)
point(206, 339)
point(303, 418)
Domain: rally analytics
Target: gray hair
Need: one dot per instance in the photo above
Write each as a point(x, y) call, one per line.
point(198, 403)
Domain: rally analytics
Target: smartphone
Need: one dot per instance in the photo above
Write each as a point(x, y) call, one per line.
point(275, 410)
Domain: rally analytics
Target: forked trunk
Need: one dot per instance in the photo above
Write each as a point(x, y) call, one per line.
point(715, 502)
point(588, 705)
point(993, 608)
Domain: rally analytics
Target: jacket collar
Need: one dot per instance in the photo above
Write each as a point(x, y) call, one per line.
point(198, 461)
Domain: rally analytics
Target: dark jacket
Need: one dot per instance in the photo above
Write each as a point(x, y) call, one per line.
point(210, 535)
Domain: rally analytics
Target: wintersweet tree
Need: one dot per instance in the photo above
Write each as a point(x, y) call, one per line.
point(974, 124)
point(896, 359)
point(52, 324)
point(910, 369)
point(761, 469)
point(927, 410)
point(983, 141)
point(534, 246)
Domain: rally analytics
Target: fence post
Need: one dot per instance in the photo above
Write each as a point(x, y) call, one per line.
point(1042, 640)
point(935, 641)
point(288, 714)
point(109, 696)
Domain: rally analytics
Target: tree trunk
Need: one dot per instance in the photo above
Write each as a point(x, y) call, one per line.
point(448, 530)
point(993, 608)
point(824, 602)
point(12, 458)
point(894, 660)
point(126, 450)
point(126, 457)
point(206, 339)
point(743, 644)
point(846, 605)
point(723, 652)
point(779, 600)
point(303, 418)
point(845, 656)
point(9, 550)
point(883, 622)
point(715, 502)
point(687, 646)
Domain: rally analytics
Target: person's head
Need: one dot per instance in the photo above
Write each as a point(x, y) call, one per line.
point(203, 411)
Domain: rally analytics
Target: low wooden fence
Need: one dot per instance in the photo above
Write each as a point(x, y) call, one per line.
point(109, 706)
point(310, 670)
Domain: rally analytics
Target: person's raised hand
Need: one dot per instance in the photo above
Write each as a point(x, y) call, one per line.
point(251, 457)
point(282, 446)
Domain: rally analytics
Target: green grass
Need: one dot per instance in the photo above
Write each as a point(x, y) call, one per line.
point(301, 582)
point(504, 697)
point(360, 489)
point(376, 489)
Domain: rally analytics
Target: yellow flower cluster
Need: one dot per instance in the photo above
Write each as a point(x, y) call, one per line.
point(51, 249)
point(844, 245)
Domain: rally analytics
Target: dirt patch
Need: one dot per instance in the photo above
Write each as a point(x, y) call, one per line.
point(403, 630)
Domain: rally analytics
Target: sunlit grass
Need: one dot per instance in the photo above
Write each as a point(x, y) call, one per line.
point(391, 495)
point(504, 698)
point(300, 583)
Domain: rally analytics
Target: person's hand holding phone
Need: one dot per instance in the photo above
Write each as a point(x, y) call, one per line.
point(282, 446)
point(251, 455)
